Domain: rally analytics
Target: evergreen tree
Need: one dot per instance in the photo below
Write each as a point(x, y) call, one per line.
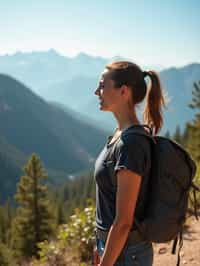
point(3, 225)
point(5, 255)
point(33, 221)
point(193, 134)
point(9, 214)
point(74, 194)
point(194, 127)
point(6, 214)
point(167, 134)
point(60, 214)
point(177, 135)
point(185, 136)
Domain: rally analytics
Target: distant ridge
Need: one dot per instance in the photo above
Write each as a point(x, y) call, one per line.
point(71, 81)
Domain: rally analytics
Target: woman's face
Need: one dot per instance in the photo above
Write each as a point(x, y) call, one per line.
point(109, 96)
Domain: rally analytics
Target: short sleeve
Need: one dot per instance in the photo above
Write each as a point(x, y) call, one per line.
point(132, 153)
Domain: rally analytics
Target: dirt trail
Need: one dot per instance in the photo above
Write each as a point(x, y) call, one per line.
point(190, 252)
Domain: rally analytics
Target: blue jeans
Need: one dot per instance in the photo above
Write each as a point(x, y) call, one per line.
point(140, 254)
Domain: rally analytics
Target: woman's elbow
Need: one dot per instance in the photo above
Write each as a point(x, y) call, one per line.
point(124, 224)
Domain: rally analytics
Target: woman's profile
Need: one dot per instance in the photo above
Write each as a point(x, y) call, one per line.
point(122, 168)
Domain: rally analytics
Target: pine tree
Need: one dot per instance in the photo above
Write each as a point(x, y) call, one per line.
point(177, 135)
point(167, 134)
point(6, 214)
point(193, 134)
point(60, 214)
point(33, 221)
point(194, 127)
point(5, 255)
point(185, 136)
point(3, 226)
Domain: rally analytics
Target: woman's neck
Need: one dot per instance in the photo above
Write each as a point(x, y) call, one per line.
point(125, 120)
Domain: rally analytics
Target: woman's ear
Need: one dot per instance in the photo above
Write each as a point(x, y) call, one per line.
point(125, 91)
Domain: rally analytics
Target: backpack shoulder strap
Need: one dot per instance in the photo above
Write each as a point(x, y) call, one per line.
point(139, 130)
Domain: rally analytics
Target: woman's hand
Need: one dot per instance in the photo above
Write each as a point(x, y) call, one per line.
point(96, 257)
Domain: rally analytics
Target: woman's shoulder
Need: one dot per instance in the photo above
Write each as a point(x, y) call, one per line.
point(134, 152)
point(134, 136)
point(133, 143)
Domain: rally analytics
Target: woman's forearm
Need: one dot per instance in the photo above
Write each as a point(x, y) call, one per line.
point(115, 242)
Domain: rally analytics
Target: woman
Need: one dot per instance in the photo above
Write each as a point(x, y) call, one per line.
point(123, 167)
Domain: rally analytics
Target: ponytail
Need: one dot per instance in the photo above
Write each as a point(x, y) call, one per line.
point(154, 103)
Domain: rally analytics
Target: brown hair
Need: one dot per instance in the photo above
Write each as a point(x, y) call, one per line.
point(130, 74)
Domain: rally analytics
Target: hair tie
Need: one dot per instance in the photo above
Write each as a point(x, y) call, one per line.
point(145, 73)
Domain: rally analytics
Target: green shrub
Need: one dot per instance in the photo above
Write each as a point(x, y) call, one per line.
point(75, 240)
point(5, 256)
point(79, 232)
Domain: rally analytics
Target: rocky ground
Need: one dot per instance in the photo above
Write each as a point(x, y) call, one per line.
point(190, 252)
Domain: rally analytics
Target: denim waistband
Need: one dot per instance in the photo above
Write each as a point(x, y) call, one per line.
point(134, 236)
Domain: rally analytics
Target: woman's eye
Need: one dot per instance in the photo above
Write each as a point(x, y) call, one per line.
point(101, 86)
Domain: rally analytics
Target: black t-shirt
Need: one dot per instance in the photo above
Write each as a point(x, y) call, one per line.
point(132, 152)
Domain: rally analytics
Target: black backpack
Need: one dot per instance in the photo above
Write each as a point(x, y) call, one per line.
point(170, 182)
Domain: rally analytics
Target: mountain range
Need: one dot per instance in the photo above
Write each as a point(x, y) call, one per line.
point(41, 69)
point(72, 81)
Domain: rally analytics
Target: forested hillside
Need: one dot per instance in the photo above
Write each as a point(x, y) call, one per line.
point(29, 124)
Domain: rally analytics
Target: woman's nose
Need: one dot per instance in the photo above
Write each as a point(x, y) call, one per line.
point(97, 91)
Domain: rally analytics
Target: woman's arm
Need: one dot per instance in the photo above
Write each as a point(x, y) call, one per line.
point(128, 186)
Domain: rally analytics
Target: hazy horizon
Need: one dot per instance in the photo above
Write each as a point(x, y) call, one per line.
point(159, 66)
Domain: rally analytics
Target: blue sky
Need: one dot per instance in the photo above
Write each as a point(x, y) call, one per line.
point(149, 32)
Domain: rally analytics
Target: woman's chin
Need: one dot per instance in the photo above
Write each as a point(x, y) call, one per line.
point(102, 107)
